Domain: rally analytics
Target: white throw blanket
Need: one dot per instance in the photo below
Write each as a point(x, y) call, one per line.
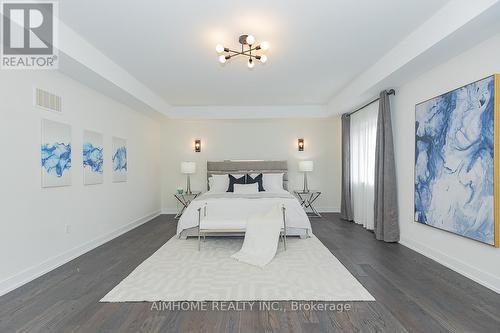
point(261, 238)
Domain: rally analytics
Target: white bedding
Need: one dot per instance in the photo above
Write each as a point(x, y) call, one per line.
point(231, 206)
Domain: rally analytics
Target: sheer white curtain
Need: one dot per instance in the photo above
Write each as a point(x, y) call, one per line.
point(362, 143)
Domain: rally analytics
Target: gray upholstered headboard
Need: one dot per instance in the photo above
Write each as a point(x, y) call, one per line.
point(236, 167)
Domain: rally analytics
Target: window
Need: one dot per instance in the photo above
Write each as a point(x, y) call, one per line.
point(362, 146)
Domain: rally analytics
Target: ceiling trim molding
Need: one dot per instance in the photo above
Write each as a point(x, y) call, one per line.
point(450, 18)
point(77, 48)
point(248, 112)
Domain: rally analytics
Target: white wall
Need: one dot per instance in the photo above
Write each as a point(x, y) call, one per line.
point(268, 139)
point(33, 220)
point(478, 261)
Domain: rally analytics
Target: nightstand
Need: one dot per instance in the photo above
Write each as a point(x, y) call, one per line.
point(185, 199)
point(307, 199)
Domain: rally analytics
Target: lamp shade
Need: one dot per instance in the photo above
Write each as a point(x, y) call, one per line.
point(188, 167)
point(306, 166)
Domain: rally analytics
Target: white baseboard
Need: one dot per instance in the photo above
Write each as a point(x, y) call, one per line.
point(484, 278)
point(328, 209)
point(169, 211)
point(38, 270)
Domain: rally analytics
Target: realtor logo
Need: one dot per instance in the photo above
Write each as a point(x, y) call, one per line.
point(29, 35)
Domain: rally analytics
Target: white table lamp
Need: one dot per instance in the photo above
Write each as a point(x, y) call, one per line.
point(305, 167)
point(188, 168)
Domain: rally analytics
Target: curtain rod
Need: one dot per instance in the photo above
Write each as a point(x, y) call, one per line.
point(390, 92)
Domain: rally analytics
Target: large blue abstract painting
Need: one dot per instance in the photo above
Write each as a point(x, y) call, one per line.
point(454, 161)
point(119, 159)
point(93, 158)
point(55, 154)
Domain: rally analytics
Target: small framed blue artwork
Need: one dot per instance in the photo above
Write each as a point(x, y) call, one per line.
point(92, 157)
point(55, 154)
point(456, 161)
point(119, 160)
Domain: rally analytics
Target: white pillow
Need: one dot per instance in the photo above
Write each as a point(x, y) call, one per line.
point(272, 182)
point(246, 188)
point(220, 183)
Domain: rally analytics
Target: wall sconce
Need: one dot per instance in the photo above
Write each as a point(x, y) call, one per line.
point(301, 144)
point(197, 145)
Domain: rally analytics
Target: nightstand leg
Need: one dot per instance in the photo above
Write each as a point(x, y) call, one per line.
point(179, 214)
point(314, 211)
point(310, 202)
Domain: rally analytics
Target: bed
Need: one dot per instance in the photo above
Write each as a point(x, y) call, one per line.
point(234, 208)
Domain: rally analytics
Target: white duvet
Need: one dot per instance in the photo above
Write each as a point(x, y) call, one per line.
point(231, 206)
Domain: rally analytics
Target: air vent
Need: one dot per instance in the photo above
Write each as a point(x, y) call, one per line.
point(48, 101)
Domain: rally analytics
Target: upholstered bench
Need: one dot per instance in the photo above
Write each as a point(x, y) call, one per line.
point(217, 226)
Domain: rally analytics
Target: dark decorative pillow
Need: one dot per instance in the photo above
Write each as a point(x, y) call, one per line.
point(233, 180)
point(257, 179)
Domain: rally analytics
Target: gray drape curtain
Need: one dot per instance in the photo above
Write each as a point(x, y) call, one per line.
point(386, 199)
point(345, 200)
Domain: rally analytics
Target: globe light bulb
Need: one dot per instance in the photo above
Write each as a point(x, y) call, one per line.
point(219, 48)
point(263, 58)
point(250, 39)
point(250, 63)
point(264, 46)
point(222, 59)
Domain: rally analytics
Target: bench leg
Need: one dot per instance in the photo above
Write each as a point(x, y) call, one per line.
point(283, 209)
point(199, 233)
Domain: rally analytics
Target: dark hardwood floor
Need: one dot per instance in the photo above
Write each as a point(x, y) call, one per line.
point(413, 293)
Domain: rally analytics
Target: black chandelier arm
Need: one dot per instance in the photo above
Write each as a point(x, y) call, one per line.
point(256, 48)
point(247, 53)
point(243, 51)
point(235, 52)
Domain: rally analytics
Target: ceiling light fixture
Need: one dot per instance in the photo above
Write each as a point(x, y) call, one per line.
point(247, 49)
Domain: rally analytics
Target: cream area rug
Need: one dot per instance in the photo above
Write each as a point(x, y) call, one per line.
point(306, 271)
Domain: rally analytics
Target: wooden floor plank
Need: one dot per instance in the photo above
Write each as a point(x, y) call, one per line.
point(413, 293)
point(403, 308)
